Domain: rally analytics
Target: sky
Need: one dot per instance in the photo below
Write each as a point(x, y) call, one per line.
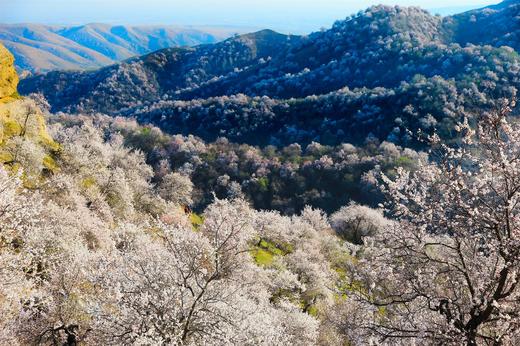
point(298, 16)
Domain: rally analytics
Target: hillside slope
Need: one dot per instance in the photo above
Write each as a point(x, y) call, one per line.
point(383, 72)
point(497, 25)
point(41, 48)
point(150, 77)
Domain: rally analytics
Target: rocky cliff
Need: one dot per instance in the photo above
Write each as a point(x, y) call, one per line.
point(24, 140)
point(8, 76)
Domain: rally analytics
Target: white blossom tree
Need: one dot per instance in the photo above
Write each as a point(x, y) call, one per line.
point(180, 286)
point(19, 214)
point(354, 222)
point(176, 188)
point(448, 272)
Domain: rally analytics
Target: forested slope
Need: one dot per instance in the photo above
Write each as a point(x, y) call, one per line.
point(113, 231)
point(332, 86)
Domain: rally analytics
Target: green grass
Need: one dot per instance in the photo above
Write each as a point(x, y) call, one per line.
point(271, 247)
point(313, 311)
point(196, 220)
point(264, 184)
point(262, 257)
point(266, 251)
point(404, 161)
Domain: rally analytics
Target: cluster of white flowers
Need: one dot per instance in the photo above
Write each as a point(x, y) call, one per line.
point(447, 272)
point(98, 254)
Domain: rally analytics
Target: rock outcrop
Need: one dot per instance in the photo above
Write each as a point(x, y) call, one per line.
point(23, 133)
point(8, 76)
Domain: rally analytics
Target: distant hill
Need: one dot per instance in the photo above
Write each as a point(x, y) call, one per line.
point(150, 77)
point(381, 73)
point(496, 25)
point(41, 48)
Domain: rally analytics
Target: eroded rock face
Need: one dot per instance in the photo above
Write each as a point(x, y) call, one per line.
point(8, 75)
point(19, 117)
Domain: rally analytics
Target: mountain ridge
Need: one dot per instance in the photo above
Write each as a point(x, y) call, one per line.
point(41, 48)
point(354, 80)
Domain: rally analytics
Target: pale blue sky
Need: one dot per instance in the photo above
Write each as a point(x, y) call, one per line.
point(286, 15)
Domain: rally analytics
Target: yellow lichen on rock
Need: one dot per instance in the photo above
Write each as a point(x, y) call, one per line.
point(24, 140)
point(24, 118)
point(8, 76)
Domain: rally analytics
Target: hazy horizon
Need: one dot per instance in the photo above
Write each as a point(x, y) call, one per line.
point(289, 16)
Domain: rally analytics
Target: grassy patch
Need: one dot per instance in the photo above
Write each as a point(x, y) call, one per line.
point(88, 182)
point(313, 311)
point(270, 247)
point(263, 183)
point(265, 252)
point(262, 257)
point(404, 161)
point(196, 220)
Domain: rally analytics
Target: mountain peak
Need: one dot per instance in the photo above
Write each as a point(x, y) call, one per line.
point(266, 35)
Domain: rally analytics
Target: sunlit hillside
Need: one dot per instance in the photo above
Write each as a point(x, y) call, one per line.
point(355, 186)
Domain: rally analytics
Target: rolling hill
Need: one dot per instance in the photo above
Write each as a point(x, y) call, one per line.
point(497, 25)
point(41, 48)
point(331, 86)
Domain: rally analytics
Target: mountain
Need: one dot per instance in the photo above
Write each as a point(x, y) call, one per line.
point(149, 77)
point(381, 73)
point(497, 25)
point(40, 48)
